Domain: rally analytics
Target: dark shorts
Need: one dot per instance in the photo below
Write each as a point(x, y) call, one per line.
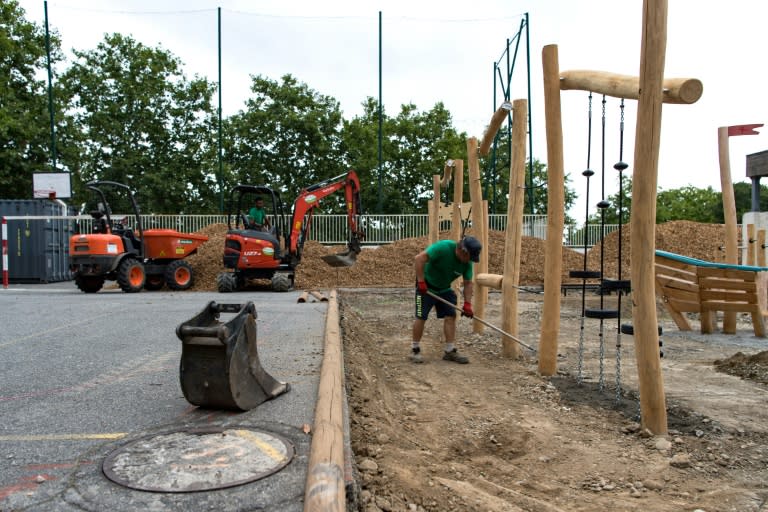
point(425, 303)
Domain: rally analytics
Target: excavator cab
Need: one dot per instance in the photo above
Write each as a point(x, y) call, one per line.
point(255, 254)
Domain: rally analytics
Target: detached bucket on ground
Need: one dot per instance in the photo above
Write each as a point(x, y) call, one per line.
point(220, 365)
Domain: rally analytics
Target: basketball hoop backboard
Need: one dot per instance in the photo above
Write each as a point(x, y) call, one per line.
point(51, 185)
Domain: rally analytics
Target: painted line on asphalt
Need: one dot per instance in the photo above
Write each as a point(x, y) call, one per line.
point(64, 437)
point(268, 449)
point(49, 331)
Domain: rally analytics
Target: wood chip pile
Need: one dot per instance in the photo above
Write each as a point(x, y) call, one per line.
point(392, 265)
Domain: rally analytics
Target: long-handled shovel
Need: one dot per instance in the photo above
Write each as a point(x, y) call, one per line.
point(505, 333)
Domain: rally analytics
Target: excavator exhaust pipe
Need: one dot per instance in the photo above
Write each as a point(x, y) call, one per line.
point(220, 367)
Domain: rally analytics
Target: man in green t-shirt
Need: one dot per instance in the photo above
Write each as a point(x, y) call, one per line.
point(257, 216)
point(436, 268)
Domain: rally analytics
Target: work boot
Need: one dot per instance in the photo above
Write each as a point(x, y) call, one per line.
point(454, 356)
point(416, 356)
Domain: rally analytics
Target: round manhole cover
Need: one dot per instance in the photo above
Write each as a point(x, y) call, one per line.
point(198, 460)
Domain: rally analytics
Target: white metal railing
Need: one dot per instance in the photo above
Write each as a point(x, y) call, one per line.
point(379, 229)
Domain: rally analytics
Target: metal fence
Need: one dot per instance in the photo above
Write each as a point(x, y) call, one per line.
point(379, 229)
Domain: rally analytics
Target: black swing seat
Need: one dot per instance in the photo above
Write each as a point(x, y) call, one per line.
point(585, 274)
point(629, 330)
point(616, 285)
point(602, 314)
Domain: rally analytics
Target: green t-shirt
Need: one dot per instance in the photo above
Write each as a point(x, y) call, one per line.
point(257, 215)
point(443, 267)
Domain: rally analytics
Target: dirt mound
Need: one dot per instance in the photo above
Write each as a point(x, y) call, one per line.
point(753, 367)
point(391, 265)
point(692, 239)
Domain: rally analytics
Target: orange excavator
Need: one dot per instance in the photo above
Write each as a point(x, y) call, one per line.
point(253, 253)
point(141, 259)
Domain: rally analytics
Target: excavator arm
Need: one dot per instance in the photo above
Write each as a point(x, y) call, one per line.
point(309, 199)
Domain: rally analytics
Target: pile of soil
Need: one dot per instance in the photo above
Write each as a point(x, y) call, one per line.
point(391, 265)
point(753, 367)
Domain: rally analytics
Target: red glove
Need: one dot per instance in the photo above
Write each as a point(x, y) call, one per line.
point(421, 286)
point(467, 310)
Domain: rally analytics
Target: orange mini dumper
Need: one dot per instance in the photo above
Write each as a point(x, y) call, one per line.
point(147, 259)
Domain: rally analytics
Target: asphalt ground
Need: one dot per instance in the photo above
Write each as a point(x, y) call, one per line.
point(85, 375)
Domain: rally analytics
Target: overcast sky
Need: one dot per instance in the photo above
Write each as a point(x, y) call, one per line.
point(445, 51)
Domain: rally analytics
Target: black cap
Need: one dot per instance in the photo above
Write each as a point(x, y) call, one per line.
point(472, 246)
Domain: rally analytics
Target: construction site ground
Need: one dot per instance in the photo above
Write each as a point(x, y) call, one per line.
point(493, 435)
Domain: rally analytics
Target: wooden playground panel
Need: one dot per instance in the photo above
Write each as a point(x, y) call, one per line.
point(688, 285)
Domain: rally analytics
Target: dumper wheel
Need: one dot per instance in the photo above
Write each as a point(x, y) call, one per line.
point(281, 282)
point(131, 275)
point(89, 284)
point(154, 282)
point(226, 282)
point(178, 275)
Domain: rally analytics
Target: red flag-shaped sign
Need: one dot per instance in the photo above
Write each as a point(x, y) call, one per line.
point(743, 129)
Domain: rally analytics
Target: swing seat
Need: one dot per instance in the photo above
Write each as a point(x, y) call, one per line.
point(690, 285)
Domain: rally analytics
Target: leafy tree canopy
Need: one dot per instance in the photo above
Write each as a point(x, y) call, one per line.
point(415, 146)
point(288, 138)
point(25, 139)
point(136, 119)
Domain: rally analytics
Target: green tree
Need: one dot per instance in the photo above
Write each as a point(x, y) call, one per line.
point(689, 203)
point(415, 146)
point(496, 181)
point(742, 193)
point(136, 119)
point(24, 117)
point(288, 137)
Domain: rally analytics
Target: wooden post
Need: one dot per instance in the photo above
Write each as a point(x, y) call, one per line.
point(458, 198)
point(490, 280)
point(751, 242)
point(643, 217)
point(434, 218)
point(553, 259)
point(761, 248)
point(514, 235)
point(729, 212)
point(496, 121)
point(447, 172)
point(324, 489)
point(479, 229)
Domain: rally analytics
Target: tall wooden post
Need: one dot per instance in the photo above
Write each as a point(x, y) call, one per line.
point(729, 212)
point(458, 198)
point(553, 259)
point(434, 218)
point(514, 235)
point(643, 216)
point(479, 229)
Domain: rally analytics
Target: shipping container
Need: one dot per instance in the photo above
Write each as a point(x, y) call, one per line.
point(38, 247)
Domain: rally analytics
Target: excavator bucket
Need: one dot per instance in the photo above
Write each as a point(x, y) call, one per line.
point(220, 367)
point(344, 259)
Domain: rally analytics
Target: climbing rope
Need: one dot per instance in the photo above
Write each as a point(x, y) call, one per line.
point(587, 174)
point(620, 166)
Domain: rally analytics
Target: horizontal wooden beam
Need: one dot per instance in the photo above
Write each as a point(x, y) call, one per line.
point(675, 90)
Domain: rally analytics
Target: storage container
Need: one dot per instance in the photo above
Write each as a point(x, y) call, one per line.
point(38, 247)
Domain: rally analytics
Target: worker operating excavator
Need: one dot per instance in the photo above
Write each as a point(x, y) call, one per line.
point(257, 216)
